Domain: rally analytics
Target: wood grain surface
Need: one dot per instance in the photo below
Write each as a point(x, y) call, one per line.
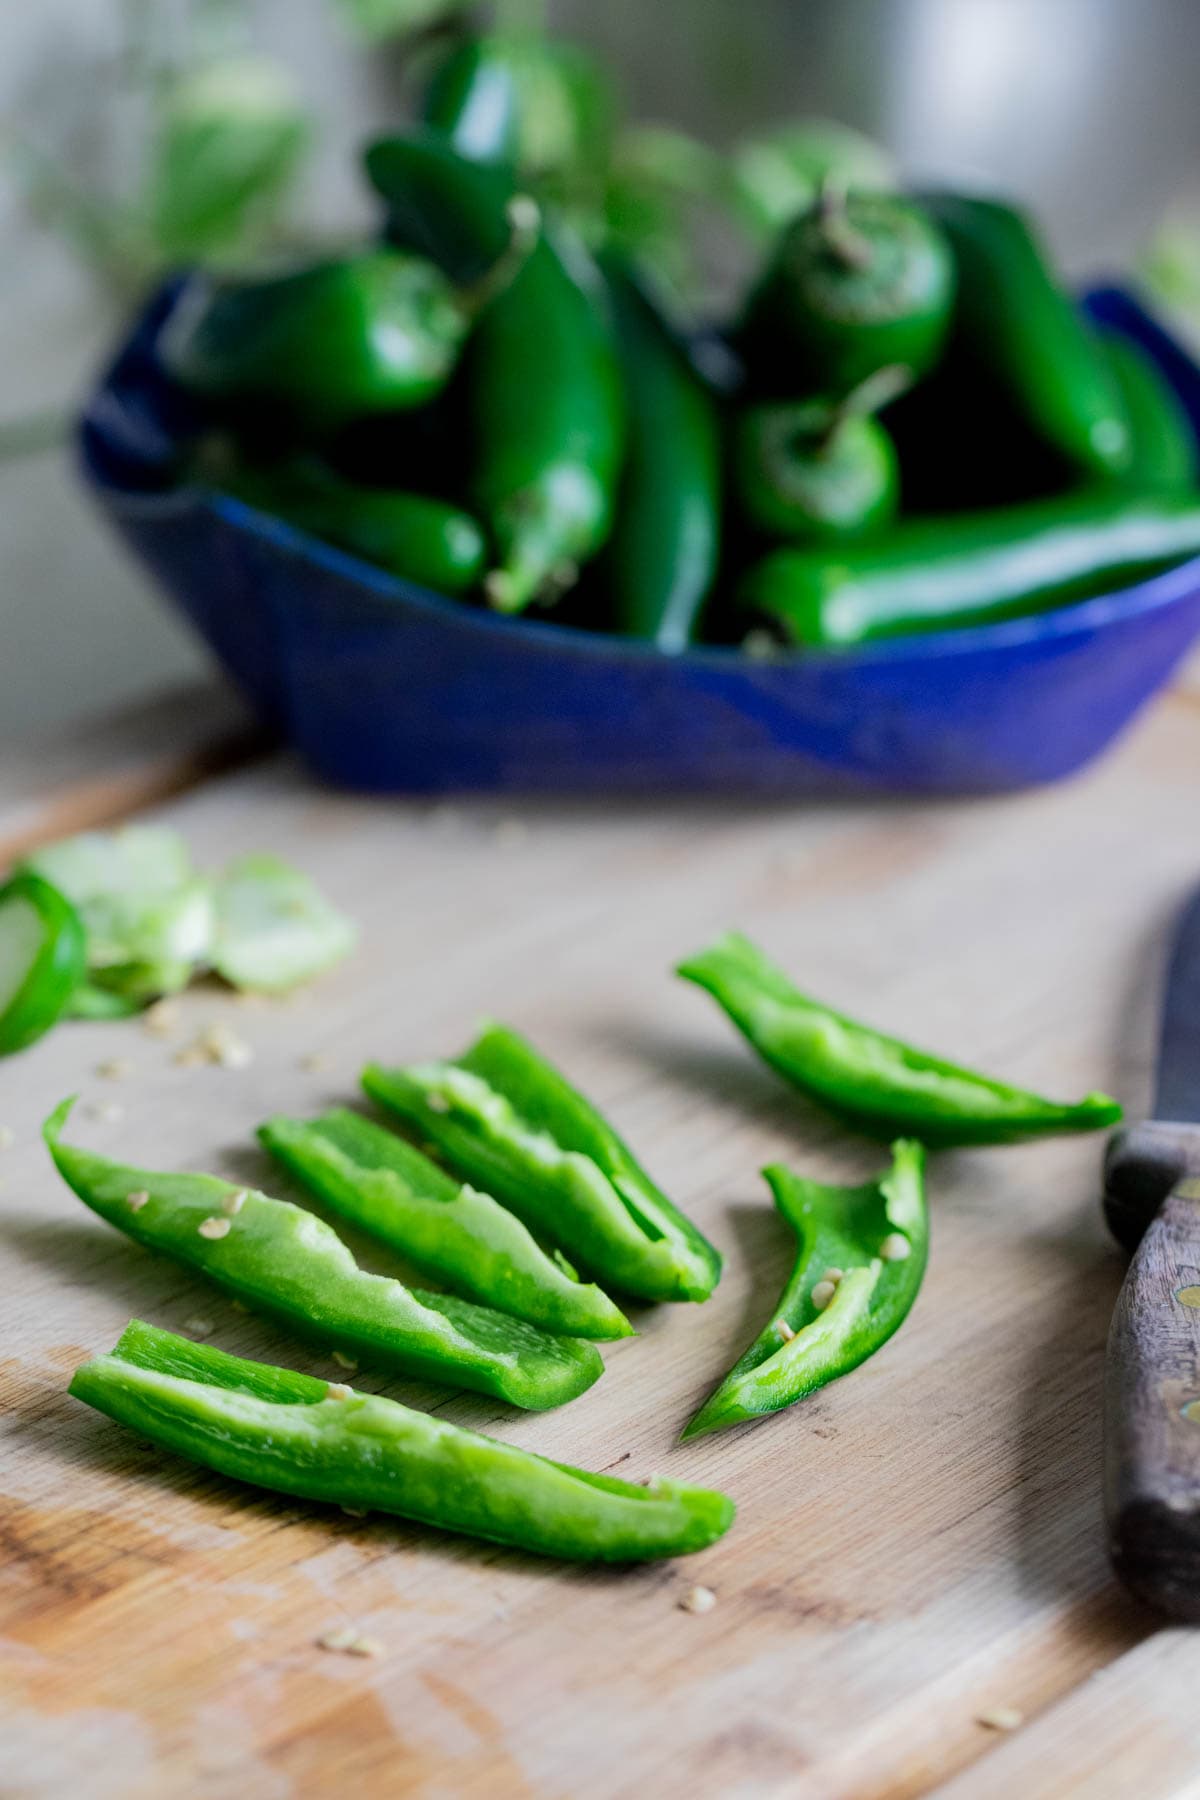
point(919, 1548)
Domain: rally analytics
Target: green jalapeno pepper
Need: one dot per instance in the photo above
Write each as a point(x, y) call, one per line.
point(861, 1259)
point(286, 1262)
point(332, 341)
point(942, 573)
point(1015, 320)
point(859, 282)
point(876, 1081)
point(662, 556)
point(446, 1230)
point(544, 395)
point(819, 470)
point(544, 108)
point(43, 959)
point(548, 414)
point(418, 538)
point(147, 915)
point(441, 205)
point(509, 1122)
point(296, 1435)
point(1162, 444)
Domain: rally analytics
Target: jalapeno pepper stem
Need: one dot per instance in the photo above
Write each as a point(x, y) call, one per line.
point(520, 17)
point(524, 217)
point(843, 240)
point(870, 395)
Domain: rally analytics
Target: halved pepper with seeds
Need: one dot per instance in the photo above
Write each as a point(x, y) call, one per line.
point(862, 1256)
point(323, 1441)
point(510, 1123)
point(877, 1082)
point(284, 1261)
point(445, 1228)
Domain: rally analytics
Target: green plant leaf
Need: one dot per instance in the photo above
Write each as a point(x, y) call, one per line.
point(230, 140)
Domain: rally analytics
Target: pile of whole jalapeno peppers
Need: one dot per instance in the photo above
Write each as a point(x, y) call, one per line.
point(910, 427)
point(531, 1213)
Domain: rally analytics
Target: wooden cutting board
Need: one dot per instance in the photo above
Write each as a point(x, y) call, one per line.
point(918, 1548)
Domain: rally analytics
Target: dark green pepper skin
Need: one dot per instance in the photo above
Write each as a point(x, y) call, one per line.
point(440, 204)
point(801, 475)
point(1015, 320)
point(510, 1123)
point(286, 1262)
point(876, 1081)
point(1163, 452)
point(420, 539)
point(548, 412)
point(321, 344)
point(544, 397)
point(875, 1239)
point(856, 284)
point(543, 108)
point(941, 574)
point(294, 1434)
point(662, 557)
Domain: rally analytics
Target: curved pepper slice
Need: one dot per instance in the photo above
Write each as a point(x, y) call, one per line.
point(295, 1435)
point(43, 959)
point(875, 1080)
point(285, 1261)
point(511, 1123)
point(862, 1256)
point(450, 1232)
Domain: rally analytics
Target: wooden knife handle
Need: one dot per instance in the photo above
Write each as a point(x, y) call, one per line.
point(1143, 1163)
point(1152, 1413)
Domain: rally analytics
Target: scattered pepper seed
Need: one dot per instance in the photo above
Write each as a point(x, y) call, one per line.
point(895, 1247)
point(785, 1331)
point(350, 1642)
point(346, 1362)
point(199, 1327)
point(316, 1062)
point(232, 1204)
point(834, 1275)
point(161, 1019)
point(216, 1044)
point(698, 1600)
point(437, 1103)
point(1001, 1718)
point(214, 1228)
point(823, 1293)
point(355, 1512)
point(115, 1069)
point(508, 833)
point(138, 1199)
point(8, 1137)
point(108, 1111)
point(337, 1390)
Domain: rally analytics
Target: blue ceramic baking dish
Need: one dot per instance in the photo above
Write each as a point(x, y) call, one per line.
point(384, 686)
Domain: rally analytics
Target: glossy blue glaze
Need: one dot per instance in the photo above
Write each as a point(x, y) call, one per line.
point(385, 686)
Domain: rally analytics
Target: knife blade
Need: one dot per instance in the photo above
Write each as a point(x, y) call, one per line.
point(1152, 1375)
point(1177, 1088)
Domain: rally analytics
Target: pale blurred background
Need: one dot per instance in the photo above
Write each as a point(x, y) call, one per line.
point(1084, 108)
